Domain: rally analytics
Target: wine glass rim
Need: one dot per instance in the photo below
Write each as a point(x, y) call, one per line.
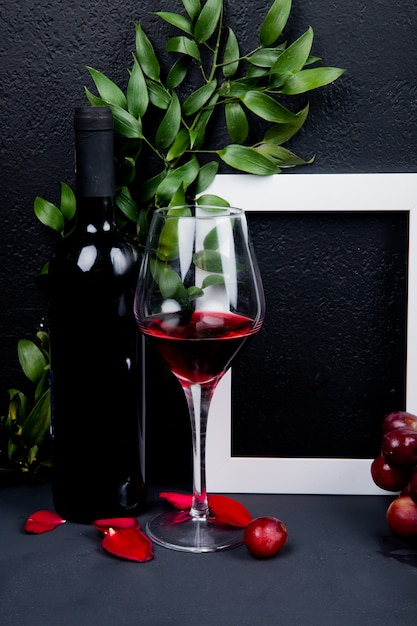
point(214, 211)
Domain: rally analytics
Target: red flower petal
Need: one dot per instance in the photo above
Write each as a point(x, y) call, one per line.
point(229, 511)
point(180, 501)
point(182, 516)
point(103, 525)
point(128, 543)
point(224, 509)
point(42, 521)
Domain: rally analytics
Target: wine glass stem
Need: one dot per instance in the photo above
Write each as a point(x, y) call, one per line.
point(198, 399)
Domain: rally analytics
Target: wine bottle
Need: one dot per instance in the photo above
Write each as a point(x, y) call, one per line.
point(96, 426)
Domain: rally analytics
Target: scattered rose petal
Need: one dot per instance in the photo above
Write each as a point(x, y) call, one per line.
point(224, 509)
point(128, 543)
point(180, 501)
point(229, 511)
point(182, 516)
point(103, 525)
point(42, 522)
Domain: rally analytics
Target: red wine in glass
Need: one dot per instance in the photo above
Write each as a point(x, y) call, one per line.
point(198, 346)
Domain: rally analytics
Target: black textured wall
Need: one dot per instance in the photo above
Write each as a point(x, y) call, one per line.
point(364, 123)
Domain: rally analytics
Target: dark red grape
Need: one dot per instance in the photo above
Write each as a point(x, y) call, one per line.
point(388, 477)
point(265, 536)
point(398, 420)
point(399, 447)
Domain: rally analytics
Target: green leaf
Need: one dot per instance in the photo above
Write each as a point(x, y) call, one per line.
point(33, 451)
point(180, 145)
point(193, 7)
point(293, 59)
point(234, 89)
point(146, 55)
point(126, 204)
point(194, 292)
point(49, 214)
point(208, 20)
point(31, 359)
point(137, 92)
point(184, 45)
point(142, 225)
point(178, 199)
point(185, 175)
point(94, 100)
point(209, 199)
point(202, 122)
point(44, 269)
point(281, 133)
point(231, 55)
point(107, 89)
point(37, 423)
point(68, 202)
point(181, 210)
point(43, 337)
point(211, 240)
point(19, 408)
point(284, 157)
point(236, 122)
point(266, 57)
point(170, 125)
point(178, 72)
point(167, 249)
point(267, 108)
point(206, 176)
point(43, 384)
point(149, 188)
point(209, 261)
point(175, 19)
point(170, 284)
point(126, 171)
point(12, 448)
point(159, 96)
point(248, 159)
point(199, 98)
point(125, 124)
point(312, 59)
point(213, 279)
point(254, 74)
point(306, 80)
point(274, 22)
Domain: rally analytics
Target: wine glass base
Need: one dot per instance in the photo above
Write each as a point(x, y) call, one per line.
point(178, 531)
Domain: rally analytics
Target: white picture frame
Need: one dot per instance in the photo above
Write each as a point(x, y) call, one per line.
point(310, 192)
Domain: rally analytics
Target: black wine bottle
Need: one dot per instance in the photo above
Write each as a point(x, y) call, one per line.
point(96, 426)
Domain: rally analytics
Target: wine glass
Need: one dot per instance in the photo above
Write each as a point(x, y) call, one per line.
point(199, 299)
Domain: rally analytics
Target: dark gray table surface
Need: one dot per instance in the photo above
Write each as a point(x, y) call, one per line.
point(341, 566)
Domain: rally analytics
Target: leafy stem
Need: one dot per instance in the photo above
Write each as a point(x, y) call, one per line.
point(242, 87)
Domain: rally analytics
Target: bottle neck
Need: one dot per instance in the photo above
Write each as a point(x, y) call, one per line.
point(95, 214)
point(94, 164)
point(95, 181)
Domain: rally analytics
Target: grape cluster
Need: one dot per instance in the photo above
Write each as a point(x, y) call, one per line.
point(395, 470)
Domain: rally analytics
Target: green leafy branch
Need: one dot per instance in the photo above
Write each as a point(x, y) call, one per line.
point(26, 425)
point(240, 86)
point(153, 114)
